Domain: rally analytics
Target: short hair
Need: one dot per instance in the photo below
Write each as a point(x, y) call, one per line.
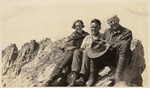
point(96, 21)
point(73, 26)
point(113, 17)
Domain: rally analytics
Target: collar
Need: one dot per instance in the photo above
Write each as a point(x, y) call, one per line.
point(119, 30)
point(82, 34)
point(97, 37)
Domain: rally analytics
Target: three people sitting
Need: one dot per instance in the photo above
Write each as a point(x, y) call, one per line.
point(91, 53)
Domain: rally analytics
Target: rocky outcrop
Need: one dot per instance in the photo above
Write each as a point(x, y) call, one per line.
point(132, 73)
point(32, 65)
point(9, 55)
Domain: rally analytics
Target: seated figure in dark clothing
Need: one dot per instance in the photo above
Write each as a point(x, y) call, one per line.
point(73, 42)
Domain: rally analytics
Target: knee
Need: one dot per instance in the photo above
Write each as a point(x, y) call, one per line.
point(124, 50)
point(124, 45)
point(84, 52)
point(70, 52)
point(85, 58)
point(76, 52)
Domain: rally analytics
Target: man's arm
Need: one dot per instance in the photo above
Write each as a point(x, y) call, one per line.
point(127, 36)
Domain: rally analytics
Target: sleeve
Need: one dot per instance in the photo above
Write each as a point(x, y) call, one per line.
point(71, 37)
point(83, 45)
point(127, 36)
point(70, 42)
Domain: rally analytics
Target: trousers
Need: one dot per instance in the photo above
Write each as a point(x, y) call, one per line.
point(118, 57)
point(81, 62)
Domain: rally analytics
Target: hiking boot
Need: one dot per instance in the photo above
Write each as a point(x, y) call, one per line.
point(74, 77)
point(91, 82)
point(54, 75)
point(92, 79)
point(81, 81)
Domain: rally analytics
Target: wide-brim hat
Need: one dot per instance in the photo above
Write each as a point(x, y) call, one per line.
point(97, 49)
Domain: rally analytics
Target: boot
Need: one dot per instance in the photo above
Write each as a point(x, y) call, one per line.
point(75, 74)
point(92, 79)
point(54, 75)
point(90, 82)
point(81, 81)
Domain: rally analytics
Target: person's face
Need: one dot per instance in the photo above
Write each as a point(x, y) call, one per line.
point(95, 28)
point(78, 26)
point(113, 23)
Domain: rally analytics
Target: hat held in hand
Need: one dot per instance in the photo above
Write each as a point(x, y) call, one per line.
point(97, 49)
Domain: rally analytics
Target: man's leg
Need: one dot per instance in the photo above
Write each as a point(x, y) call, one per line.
point(76, 65)
point(95, 65)
point(85, 64)
point(60, 65)
point(77, 61)
point(84, 70)
point(124, 54)
point(93, 73)
point(109, 58)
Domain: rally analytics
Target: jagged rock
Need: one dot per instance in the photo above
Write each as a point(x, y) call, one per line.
point(26, 54)
point(132, 73)
point(8, 57)
point(136, 67)
point(36, 61)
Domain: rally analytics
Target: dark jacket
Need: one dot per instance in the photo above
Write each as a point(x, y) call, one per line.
point(122, 34)
point(122, 40)
point(74, 41)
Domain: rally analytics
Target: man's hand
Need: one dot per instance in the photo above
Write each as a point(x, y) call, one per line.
point(110, 43)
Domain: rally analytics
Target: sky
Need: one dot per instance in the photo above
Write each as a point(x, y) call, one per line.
point(25, 20)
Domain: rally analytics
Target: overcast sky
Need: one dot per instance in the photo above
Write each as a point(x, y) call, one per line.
point(24, 20)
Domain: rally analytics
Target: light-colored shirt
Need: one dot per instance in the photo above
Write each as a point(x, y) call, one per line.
point(89, 39)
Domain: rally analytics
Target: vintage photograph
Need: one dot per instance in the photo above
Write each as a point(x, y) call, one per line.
point(74, 43)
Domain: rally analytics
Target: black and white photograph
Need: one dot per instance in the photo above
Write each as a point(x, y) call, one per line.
point(75, 43)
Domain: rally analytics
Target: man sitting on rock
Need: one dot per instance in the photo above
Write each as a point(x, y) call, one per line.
point(118, 53)
point(80, 64)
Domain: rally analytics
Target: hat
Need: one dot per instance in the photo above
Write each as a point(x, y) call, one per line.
point(97, 49)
